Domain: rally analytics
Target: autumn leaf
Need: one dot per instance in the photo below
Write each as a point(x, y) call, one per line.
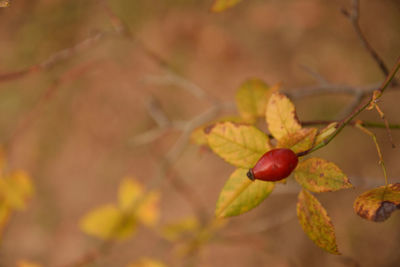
point(119, 221)
point(378, 204)
point(16, 189)
point(299, 141)
point(108, 222)
point(281, 116)
point(199, 137)
point(319, 175)
point(239, 144)
point(128, 194)
point(315, 222)
point(240, 194)
point(222, 5)
point(252, 98)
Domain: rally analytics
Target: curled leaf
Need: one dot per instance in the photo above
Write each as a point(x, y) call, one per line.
point(222, 5)
point(326, 132)
point(319, 175)
point(239, 144)
point(379, 203)
point(315, 222)
point(252, 98)
point(281, 116)
point(240, 194)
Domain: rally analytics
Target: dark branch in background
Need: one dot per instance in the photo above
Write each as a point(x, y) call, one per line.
point(54, 59)
point(354, 17)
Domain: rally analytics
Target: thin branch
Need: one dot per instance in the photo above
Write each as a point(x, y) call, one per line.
point(375, 96)
point(54, 59)
point(354, 17)
point(31, 116)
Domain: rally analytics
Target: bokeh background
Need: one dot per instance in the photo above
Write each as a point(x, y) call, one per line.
point(73, 125)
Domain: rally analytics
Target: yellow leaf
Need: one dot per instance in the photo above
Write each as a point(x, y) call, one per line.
point(240, 194)
point(129, 193)
point(147, 262)
point(252, 98)
point(315, 222)
point(173, 231)
point(16, 189)
point(24, 263)
point(299, 141)
point(199, 136)
point(378, 204)
point(240, 145)
point(221, 5)
point(281, 116)
point(148, 209)
point(108, 222)
point(319, 175)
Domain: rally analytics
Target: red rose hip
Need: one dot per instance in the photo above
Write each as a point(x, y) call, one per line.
point(274, 165)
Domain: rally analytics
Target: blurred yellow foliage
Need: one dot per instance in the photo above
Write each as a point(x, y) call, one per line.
point(119, 221)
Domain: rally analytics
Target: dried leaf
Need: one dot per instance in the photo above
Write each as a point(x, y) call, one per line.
point(315, 222)
point(252, 98)
point(222, 5)
point(299, 141)
point(378, 204)
point(240, 194)
point(108, 222)
point(281, 116)
point(240, 145)
point(319, 175)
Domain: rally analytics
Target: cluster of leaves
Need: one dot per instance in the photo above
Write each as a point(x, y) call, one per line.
point(119, 221)
point(239, 142)
point(16, 189)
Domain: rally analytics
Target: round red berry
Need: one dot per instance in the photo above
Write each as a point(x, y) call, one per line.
point(274, 165)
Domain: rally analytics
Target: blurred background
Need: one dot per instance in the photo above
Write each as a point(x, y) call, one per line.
point(109, 106)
